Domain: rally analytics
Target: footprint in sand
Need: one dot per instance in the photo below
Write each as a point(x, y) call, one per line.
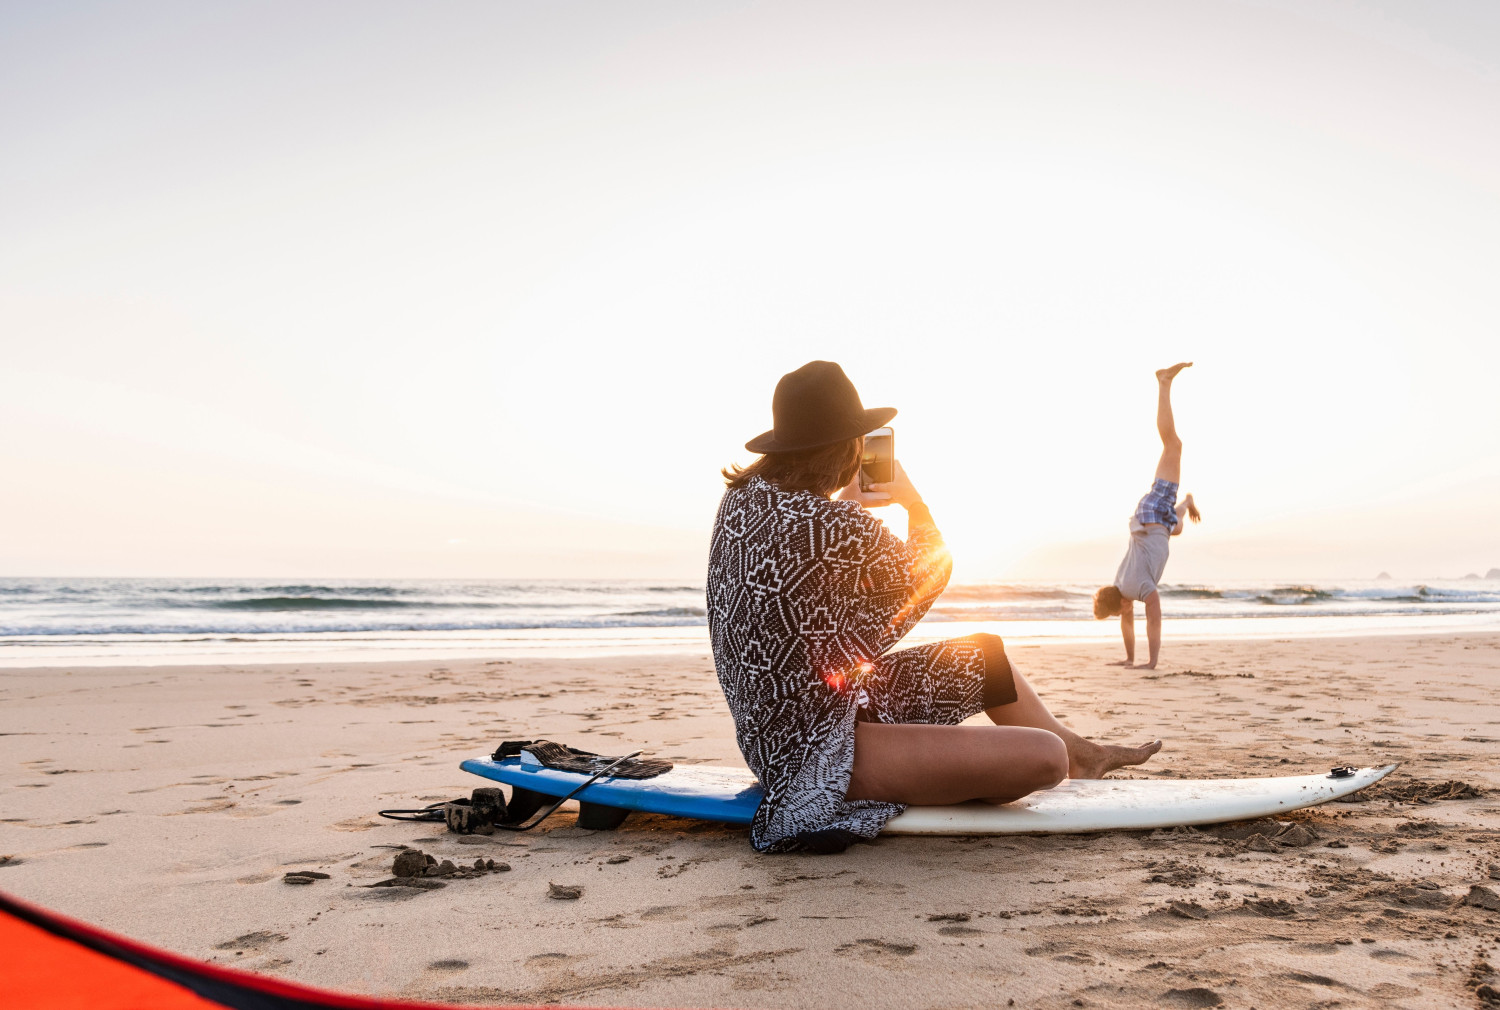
point(252, 943)
point(877, 951)
point(216, 805)
point(664, 913)
point(1194, 997)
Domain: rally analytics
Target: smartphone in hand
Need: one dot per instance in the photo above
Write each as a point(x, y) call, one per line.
point(878, 463)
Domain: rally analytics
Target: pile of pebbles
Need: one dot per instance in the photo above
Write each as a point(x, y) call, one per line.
point(415, 868)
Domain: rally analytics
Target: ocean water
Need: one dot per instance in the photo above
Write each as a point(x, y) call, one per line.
point(182, 620)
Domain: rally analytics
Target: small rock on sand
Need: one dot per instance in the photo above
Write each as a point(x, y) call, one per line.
point(446, 867)
point(613, 860)
point(564, 892)
point(292, 878)
point(1480, 896)
point(310, 874)
point(1494, 872)
point(1297, 836)
point(1195, 997)
point(410, 863)
point(1423, 897)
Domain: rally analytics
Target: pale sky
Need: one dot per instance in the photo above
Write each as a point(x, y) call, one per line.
point(495, 289)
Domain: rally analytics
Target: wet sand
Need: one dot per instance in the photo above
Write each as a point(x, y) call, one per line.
point(168, 803)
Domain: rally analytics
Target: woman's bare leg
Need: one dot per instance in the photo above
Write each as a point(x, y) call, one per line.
point(1086, 759)
point(928, 765)
point(1026, 750)
point(1170, 465)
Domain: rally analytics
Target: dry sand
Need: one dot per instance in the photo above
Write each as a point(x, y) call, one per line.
point(168, 802)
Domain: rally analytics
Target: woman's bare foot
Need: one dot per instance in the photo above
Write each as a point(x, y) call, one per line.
point(1168, 374)
point(1089, 760)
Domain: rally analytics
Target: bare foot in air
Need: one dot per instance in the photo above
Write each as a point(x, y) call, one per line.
point(1168, 374)
point(1089, 760)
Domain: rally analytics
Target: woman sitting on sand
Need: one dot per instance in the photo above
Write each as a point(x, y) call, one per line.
point(806, 595)
point(1154, 521)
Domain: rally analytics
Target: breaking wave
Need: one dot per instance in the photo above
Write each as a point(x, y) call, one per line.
point(47, 608)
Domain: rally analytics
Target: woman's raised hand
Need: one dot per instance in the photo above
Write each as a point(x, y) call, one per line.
point(871, 499)
point(900, 491)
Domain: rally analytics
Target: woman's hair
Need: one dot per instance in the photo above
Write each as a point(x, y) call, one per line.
point(1107, 603)
point(821, 470)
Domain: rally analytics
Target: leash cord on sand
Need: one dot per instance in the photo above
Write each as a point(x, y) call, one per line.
point(434, 812)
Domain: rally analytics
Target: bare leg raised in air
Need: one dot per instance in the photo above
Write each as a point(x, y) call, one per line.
point(1155, 520)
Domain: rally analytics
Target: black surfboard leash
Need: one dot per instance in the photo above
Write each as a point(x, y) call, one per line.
point(434, 812)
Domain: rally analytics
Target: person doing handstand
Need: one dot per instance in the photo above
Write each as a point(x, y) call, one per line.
point(1154, 521)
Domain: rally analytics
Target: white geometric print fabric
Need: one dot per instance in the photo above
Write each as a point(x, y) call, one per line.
point(805, 597)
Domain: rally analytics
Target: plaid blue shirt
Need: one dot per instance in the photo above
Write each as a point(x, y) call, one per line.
point(1159, 505)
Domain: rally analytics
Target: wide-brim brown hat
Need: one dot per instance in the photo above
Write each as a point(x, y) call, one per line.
point(816, 405)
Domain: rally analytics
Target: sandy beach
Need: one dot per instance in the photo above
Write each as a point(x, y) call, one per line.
point(167, 803)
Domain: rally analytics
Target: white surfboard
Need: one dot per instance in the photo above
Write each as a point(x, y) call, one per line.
point(1134, 805)
point(730, 795)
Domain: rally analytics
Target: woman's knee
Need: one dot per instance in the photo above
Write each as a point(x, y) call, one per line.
point(1052, 762)
point(1039, 760)
point(1040, 763)
point(999, 676)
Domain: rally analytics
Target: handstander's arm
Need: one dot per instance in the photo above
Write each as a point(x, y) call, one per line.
point(1127, 629)
point(1153, 628)
point(1189, 510)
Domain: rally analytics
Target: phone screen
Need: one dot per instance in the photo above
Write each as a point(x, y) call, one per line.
point(878, 464)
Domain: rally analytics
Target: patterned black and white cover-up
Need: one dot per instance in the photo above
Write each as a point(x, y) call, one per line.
point(805, 598)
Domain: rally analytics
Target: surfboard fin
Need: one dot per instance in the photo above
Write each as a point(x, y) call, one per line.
point(596, 817)
point(523, 803)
